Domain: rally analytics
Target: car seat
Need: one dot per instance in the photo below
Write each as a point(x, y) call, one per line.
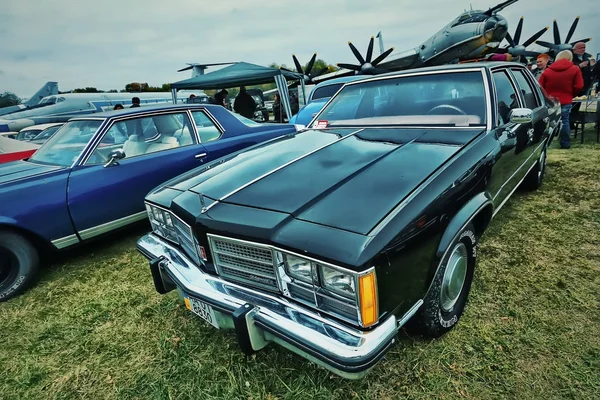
point(135, 146)
point(164, 143)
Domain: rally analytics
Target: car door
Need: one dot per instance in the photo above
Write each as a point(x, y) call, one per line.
point(158, 147)
point(532, 100)
point(514, 151)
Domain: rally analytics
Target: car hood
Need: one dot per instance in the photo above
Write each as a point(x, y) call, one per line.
point(12, 171)
point(8, 145)
point(331, 178)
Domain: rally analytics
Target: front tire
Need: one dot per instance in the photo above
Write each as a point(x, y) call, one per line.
point(447, 297)
point(19, 262)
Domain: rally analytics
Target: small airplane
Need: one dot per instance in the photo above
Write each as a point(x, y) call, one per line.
point(49, 89)
point(61, 107)
point(472, 34)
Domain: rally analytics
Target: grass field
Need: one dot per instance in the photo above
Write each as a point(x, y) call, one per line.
point(93, 327)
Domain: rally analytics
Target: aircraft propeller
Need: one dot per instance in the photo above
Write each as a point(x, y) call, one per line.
point(558, 45)
point(308, 77)
point(517, 50)
point(366, 66)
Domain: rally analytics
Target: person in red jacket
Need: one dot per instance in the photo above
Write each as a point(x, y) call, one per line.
point(563, 80)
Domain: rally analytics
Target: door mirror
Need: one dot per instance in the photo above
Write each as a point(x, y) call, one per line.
point(521, 116)
point(115, 155)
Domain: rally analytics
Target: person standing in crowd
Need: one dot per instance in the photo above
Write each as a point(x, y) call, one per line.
point(244, 104)
point(135, 102)
point(220, 97)
point(563, 80)
point(542, 63)
point(581, 59)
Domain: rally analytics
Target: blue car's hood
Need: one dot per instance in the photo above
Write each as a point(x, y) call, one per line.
point(15, 170)
point(305, 115)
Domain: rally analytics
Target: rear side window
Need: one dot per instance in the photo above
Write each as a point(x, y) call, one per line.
point(326, 91)
point(507, 96)
point(527, 92)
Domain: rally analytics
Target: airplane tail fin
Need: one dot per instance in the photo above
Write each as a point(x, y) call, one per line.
point(48, 89)
point(500, 7)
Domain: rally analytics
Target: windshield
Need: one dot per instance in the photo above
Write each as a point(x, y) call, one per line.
point(245, 121)
point(442, 99)
point(28, 134)
point(45, 134)
point(66, 145)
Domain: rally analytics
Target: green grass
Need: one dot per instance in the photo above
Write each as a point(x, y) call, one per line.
point(93, 327)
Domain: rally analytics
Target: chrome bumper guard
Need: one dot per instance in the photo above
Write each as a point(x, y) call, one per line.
point(260, 318)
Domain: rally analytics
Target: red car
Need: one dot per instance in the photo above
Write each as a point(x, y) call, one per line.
point(12, 150)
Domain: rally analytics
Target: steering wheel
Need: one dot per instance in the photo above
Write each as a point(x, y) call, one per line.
point(450, 106)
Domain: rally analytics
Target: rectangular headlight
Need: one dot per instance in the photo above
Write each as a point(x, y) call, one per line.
point(161, 222)
point(338, 282)
point(300, 268)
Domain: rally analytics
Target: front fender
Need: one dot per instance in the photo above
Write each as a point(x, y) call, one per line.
point(465, 215)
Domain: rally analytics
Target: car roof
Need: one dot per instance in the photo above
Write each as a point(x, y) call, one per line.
point(42, 126)
point(342, 79)
point(143, 110)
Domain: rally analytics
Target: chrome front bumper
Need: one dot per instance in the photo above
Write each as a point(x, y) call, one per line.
point(260, 318)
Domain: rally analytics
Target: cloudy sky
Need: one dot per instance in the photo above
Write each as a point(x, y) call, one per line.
point(109, 43)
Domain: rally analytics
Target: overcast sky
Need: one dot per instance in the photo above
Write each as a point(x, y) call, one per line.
point(109, 43)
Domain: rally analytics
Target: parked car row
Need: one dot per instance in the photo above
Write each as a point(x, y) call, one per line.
point(325, 240)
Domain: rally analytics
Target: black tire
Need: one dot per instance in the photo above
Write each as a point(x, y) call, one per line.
point(438, 315)
point(19, 262)
point(535, 177)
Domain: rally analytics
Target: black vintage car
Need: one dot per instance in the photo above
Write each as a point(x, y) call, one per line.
point(327, 241)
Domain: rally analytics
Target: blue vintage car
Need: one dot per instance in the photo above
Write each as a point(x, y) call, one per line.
point(319, 96)
point(92, 175)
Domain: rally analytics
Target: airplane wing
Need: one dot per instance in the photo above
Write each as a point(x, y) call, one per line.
point(500, 7)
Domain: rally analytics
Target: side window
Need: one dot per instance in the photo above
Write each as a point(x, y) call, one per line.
point(507, 97)
point(526, 90)
point(147, 135)
point(207, 130)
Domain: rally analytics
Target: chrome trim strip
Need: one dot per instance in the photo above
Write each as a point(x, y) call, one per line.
point(413, 310)
point(339, 348)
point(109, 226)
point(517, 171)
point(65, 241)
point(277, 169)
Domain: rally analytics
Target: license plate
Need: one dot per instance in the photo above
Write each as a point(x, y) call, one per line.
point(203, 310)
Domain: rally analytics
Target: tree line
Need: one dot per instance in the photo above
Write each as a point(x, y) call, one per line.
point(8, 99)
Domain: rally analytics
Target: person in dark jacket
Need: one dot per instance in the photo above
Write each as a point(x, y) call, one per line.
point(244, 104)
point(564, 81)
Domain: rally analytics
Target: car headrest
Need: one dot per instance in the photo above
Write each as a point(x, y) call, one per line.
point(169, 140)
point(135, 138)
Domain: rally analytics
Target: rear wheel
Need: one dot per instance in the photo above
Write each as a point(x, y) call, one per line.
point(19, 262)
point(445, 302)
point(534, 178)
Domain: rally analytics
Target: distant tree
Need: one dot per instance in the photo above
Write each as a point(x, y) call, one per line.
point(8, 99)
point(87, 90)
point(144, 87)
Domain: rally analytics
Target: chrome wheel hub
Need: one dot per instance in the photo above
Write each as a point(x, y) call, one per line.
point(454, 277)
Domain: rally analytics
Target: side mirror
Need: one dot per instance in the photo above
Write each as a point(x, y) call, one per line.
point(117, 154)
point(521, 116)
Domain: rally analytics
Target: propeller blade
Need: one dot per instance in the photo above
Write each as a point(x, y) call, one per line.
point(382, 56)
point(357, 54)
point(310, 64)
point(370, 50)
point(572, 30)
point(297, 64)
point(349, 66)
point(556, 34)
point(510, 40)
point(185, 69)
point(535, 37)
point(518, 31)
point(582, 40)
point(547, 44)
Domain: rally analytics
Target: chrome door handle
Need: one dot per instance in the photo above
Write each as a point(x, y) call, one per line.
point(201, 155)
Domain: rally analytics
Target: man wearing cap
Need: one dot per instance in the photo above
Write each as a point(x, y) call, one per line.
point(542, 63)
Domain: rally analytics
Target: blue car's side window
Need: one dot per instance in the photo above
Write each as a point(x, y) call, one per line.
point(207, 130)
point(146, 135)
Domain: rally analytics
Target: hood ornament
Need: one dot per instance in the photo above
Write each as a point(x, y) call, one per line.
point(203, 203)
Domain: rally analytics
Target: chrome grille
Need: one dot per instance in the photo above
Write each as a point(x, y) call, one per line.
point(186, 239)
point(242, 262)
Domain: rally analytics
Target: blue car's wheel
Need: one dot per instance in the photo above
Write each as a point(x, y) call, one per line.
point(18, 264)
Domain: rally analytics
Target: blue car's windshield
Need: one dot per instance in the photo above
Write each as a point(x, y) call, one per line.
point(444, 99)
point(67, 143)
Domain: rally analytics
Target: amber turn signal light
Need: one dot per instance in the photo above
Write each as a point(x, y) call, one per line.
point(368, 298)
